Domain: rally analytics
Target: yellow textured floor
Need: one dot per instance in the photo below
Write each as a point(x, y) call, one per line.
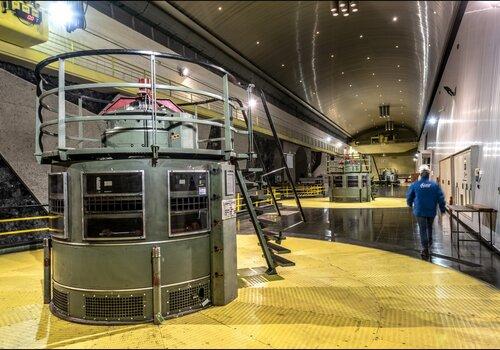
point(381, 202)
point(338, 295)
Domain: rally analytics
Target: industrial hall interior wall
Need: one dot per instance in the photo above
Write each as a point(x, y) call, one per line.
point(472, 116)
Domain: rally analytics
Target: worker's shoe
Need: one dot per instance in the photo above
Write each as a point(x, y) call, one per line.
point(425, 254)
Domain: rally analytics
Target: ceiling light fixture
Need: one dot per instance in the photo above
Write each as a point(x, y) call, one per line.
point(258, 42)
point(344, 7)
point(220, 8)
point(183, 71)
point(384, 111)
point(252, 102)
point(394, 19)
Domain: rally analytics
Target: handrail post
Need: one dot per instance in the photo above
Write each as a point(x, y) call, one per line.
point(47, 279)
point(228, 144)
point(156, 264)
point(61, 108)
point(154, 147)
point(80, 124)
point(250, 122)
point(38, 148)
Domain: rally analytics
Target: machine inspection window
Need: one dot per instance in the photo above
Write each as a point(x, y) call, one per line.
point(188, 202)
point(113, 205)
point(352, 181)
point(58, 189)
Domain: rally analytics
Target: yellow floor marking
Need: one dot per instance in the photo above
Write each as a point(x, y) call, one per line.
point(381, 202)
point(338, 295)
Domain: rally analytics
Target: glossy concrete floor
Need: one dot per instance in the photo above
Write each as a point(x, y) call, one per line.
point(337, 296)
point(395, 230)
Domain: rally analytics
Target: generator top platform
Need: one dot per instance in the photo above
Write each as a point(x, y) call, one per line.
point(338, 295)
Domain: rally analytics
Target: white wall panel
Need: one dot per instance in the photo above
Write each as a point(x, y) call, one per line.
point(472, 117)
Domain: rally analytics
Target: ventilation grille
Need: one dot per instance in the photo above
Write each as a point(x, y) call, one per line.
point(56, 205)
point(107, 204)
point(60, 301)
point(188, 203)
point(180, 300)
point(114, 307)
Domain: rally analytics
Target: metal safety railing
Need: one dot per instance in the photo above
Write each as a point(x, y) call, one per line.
point(302, 191)
point(280, 193)
point(42, 219)
point(267, 201)
point(123, 70)
point(154, 115)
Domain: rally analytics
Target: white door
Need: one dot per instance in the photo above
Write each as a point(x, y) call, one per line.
point(445, 180)
point(463, 178)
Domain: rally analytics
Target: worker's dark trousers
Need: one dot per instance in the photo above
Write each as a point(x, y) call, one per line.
point(425, 226)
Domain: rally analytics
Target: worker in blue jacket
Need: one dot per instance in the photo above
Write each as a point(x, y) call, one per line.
point(424, 196)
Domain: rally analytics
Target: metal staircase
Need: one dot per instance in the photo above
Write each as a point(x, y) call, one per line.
point(269, 227)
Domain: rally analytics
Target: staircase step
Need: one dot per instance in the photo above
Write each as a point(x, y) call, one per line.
point(251, 184)
point(281, 261)
point(257, 197)
point(274, 235)
point(293, 225)
point(278, 248)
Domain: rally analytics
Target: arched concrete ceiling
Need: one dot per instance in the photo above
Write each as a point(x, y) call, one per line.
point(343, 66)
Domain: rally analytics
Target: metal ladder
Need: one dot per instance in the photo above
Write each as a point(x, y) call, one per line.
point(265, 234)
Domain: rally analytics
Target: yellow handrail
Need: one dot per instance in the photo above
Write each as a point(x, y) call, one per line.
point(283, 192)
point(40, 229)
point(29, 218)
